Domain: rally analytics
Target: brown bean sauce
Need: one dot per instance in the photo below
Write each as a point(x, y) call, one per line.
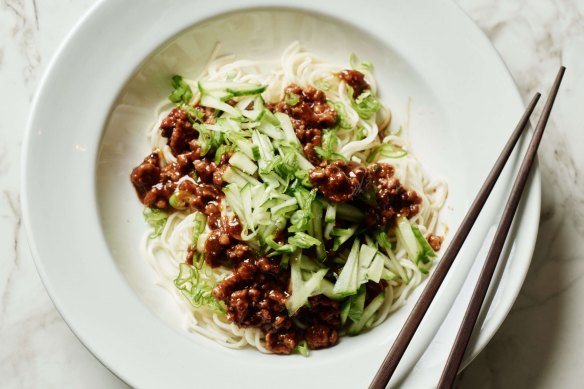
point(355, 79)
point(310, 114)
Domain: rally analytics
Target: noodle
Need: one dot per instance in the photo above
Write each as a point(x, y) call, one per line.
point(166, 252)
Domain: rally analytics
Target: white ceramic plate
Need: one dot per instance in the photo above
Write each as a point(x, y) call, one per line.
point(87, 132)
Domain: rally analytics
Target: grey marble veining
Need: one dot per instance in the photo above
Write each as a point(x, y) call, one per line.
point(37, 349)
point(540, 344)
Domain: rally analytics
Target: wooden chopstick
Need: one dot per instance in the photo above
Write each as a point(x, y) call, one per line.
point(482, 286)
point(407, 332)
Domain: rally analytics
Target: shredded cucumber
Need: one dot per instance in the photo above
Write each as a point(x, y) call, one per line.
point(302, 287)
point(233, 88)
point(368, 313)
point(418, 249)
point(214, 102)
point(243, 163)
point(347, 283)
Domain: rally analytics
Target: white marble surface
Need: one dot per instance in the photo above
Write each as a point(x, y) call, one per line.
point(540, 344)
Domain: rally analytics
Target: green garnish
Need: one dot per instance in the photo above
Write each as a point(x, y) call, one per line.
point(361, 133)
point(366, 320)
point(386, 150)
point(194, 114)
point(181, 93)
point(417, 247)
point(209, 140)
point(329, 147)
point(343, 119)
point(366, 105)
point(303, 240)
point(223, 149)
point(302, 348)
point(198, 292)
point(198, 227)
point(291, 98)
point(353, 307)
point(157, 219)
point(363, 66)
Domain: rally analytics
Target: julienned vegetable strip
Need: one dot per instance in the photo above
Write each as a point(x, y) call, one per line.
point(367, 315)
point(196, 291)
point(157, 219)
point(418, 249)
point(301, 288)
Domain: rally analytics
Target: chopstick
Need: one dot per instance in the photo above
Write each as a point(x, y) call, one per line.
point(407, 332)
point(482, 286)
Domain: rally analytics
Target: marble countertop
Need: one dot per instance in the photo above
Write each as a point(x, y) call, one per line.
point(540, 344)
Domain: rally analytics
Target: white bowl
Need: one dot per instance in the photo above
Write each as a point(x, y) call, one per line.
point(87, 131)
